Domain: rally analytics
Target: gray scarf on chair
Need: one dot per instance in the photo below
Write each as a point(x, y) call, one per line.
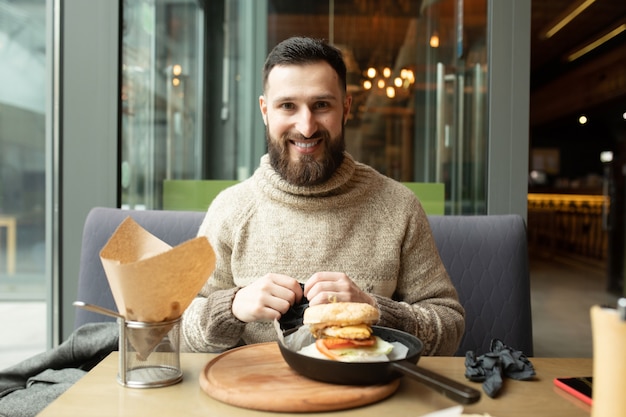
point(29, 386)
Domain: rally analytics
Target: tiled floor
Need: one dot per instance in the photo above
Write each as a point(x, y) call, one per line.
point(563, 291)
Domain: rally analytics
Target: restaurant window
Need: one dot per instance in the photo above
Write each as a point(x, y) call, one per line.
point(23, 155)
point(417, 71)
point(22, 149)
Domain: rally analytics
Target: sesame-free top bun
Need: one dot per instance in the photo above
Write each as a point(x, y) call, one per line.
point(341, 314)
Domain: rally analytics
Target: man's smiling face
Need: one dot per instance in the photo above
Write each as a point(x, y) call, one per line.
point(304, 110)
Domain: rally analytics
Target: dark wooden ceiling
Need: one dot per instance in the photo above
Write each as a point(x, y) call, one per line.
point(596, 82)
point(559, 89)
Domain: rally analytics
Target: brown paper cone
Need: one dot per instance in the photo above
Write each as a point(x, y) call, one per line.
point(144, 340)
point(152, 282)
point(609, 362)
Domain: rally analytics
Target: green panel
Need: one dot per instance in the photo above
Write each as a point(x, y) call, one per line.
point(196, 195)
point(192, 195)
point(430, 194)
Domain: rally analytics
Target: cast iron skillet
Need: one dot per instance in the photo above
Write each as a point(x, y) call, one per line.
point(371, 373)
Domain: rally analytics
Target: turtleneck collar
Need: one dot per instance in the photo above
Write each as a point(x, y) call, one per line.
point(338, 180)
point(341, 185)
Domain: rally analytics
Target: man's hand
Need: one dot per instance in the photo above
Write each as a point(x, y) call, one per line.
point(330, 287)
point(266, 298)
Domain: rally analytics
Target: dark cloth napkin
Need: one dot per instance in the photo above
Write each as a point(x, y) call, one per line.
point(501, 361)
point(292, 319)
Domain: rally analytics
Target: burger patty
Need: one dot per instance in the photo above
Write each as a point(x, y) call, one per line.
point(358, 331)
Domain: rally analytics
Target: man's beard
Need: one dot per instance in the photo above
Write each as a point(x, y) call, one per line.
point(307, 170)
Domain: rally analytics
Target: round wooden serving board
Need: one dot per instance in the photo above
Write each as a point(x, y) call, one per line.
point(257, 377)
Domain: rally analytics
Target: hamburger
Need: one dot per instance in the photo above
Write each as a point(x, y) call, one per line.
point(343, 332)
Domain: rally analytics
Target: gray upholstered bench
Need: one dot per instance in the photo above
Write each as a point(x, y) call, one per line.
point(486, 257)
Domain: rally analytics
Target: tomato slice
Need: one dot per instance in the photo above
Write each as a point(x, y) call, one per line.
point(339, 343)
point(326, 346)
point(321, 346)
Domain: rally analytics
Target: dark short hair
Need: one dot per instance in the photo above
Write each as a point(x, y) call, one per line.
point(302, 50)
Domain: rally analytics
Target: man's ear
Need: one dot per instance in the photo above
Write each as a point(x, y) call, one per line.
point(263, 107)
point(347, 103)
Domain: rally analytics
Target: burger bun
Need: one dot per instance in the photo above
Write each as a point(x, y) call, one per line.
point(341, 314)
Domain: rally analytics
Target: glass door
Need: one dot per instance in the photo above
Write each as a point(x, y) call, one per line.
point(162, 98)
point(457, 116)
point(418, 77)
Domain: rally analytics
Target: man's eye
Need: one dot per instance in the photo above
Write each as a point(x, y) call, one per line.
point(287, 106)
point(321, 105)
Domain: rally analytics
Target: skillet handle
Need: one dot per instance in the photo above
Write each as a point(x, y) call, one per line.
point(450, 388)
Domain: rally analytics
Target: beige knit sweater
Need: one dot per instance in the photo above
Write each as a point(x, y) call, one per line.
point(359, 222)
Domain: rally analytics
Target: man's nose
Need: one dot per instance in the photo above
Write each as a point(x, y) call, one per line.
point(306, 124)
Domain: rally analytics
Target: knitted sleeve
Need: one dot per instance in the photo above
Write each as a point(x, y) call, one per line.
point(208, 323)
point(425, 302)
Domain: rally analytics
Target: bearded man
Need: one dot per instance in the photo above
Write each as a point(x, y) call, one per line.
point(312, 223)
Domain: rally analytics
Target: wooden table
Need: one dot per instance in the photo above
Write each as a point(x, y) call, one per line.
point(99, 394)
